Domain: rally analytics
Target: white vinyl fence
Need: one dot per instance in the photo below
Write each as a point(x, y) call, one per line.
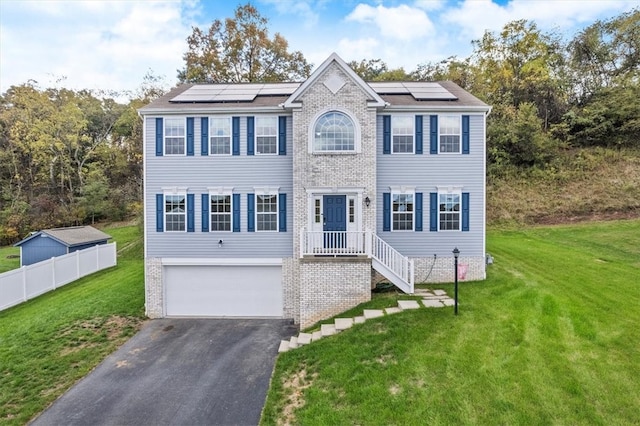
point(30, 281)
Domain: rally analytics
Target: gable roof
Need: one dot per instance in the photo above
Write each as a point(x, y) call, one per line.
point(374, 99)
point(70, 237)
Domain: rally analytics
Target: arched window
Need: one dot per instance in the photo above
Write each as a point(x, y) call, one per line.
point(334, 131)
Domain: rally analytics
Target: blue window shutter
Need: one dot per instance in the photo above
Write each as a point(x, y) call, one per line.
point(190, 135)
point(236, 212)
point(418, 211)
point(433, 212)
point(282, 212)
point(235, 135)
point(386, 134)
point(204, 136)
point(250, 136)
point(465, 211)
point(418, 134)
point(386, 211)
point(465, 134)
point(159, 137)
point(433, 134)
point(282, 135)
point(190, 213)
point(159, 212)
point(251, 212)
point(205, 212)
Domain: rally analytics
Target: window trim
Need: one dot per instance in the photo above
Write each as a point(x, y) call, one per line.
point(211, 135)
point(223, 191)
point(266, 191)
point(356, 133)
point(256, 135)
point(177, 192)
point(412, 133)
point(440, 134)
point(402, 191)
point(450, 191)
point(164, 136)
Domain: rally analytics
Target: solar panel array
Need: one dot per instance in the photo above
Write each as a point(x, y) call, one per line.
point(419, 90)
point(248, 92)
point(233, 92)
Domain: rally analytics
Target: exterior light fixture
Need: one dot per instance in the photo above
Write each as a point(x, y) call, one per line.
point(220, 243)
point(367, 201)
point(456, 253)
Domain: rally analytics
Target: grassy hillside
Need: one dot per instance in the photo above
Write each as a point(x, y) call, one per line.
point(50, 342)
point(551, 337)
point(577, 185)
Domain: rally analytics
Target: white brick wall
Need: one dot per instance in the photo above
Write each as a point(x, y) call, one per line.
point(153, 288)
point(330, 287)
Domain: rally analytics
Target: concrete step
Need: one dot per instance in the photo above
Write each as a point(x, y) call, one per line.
point(304, 339)
point(393, 310)
point(439, 292)
point(430, 303)
point(408, 304)
point(359, 320)
point(284, 346)
point(317, 335)
point(343, 323)
point(448, 302)
point(293, 342)
point(328, 329)
point(373, 313)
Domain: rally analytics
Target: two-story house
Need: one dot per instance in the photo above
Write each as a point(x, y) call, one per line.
point(290, 199)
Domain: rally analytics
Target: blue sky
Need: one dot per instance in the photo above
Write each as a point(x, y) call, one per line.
point(113, 44)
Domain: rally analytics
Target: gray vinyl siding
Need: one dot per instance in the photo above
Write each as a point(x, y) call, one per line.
point(198, 173)
point(426, 172)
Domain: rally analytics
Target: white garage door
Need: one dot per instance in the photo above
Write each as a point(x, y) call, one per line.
point(214, 291)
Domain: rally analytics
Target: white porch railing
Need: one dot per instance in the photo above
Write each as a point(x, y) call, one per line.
point(388, 261)
point(392, 264)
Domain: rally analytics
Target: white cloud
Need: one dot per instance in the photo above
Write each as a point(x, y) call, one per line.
point(400, 23)
point(358, 49)
point(474, 17)
point(95, 45)
point(305, 9)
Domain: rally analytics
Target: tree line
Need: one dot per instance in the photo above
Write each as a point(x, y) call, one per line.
point(72, 157)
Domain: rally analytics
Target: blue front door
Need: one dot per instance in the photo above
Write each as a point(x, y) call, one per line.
point(335, 220)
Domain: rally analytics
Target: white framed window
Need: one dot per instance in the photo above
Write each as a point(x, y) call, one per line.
point(267, 212)
point(317, 210)
point(352, 209)
point(175, 136)
point(450, 133)
point(219, 135)
point(175, 212)
point(402, 211)
point(334, 131)
point(449, 211)
point(402, 134)
point(221, 212)
point(266, 135)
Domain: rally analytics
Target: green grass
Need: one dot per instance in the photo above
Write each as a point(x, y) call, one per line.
point(9, 258)
point(551, 337)
point(48, 343)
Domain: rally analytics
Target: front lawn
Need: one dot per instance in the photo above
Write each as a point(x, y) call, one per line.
point(48, 343)
point(551, 337)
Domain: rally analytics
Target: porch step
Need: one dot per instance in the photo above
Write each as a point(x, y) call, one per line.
point(430, 299)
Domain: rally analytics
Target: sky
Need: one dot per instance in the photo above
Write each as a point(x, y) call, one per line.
point(112, 45)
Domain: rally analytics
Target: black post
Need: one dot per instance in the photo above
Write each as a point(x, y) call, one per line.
point(456, 253)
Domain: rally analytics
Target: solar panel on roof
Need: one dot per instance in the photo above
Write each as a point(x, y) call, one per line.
point(233, 92)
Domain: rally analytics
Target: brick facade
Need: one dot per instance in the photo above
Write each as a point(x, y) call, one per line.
point(153, 303)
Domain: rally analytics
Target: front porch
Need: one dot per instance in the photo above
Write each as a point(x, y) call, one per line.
point(389, 262)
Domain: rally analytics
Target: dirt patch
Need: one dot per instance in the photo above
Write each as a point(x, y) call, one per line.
point(294, 386)
point(394, 389)
point(591, 217)
point(92, 332)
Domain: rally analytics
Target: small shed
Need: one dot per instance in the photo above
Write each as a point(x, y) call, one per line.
point(48, 243)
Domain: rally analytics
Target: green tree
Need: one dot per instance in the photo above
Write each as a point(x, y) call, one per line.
point(377, 70)
point(239, 51)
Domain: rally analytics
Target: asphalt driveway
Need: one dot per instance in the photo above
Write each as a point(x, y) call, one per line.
point(179, 372)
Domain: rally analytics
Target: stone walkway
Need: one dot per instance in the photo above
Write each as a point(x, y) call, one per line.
point(430, 299)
